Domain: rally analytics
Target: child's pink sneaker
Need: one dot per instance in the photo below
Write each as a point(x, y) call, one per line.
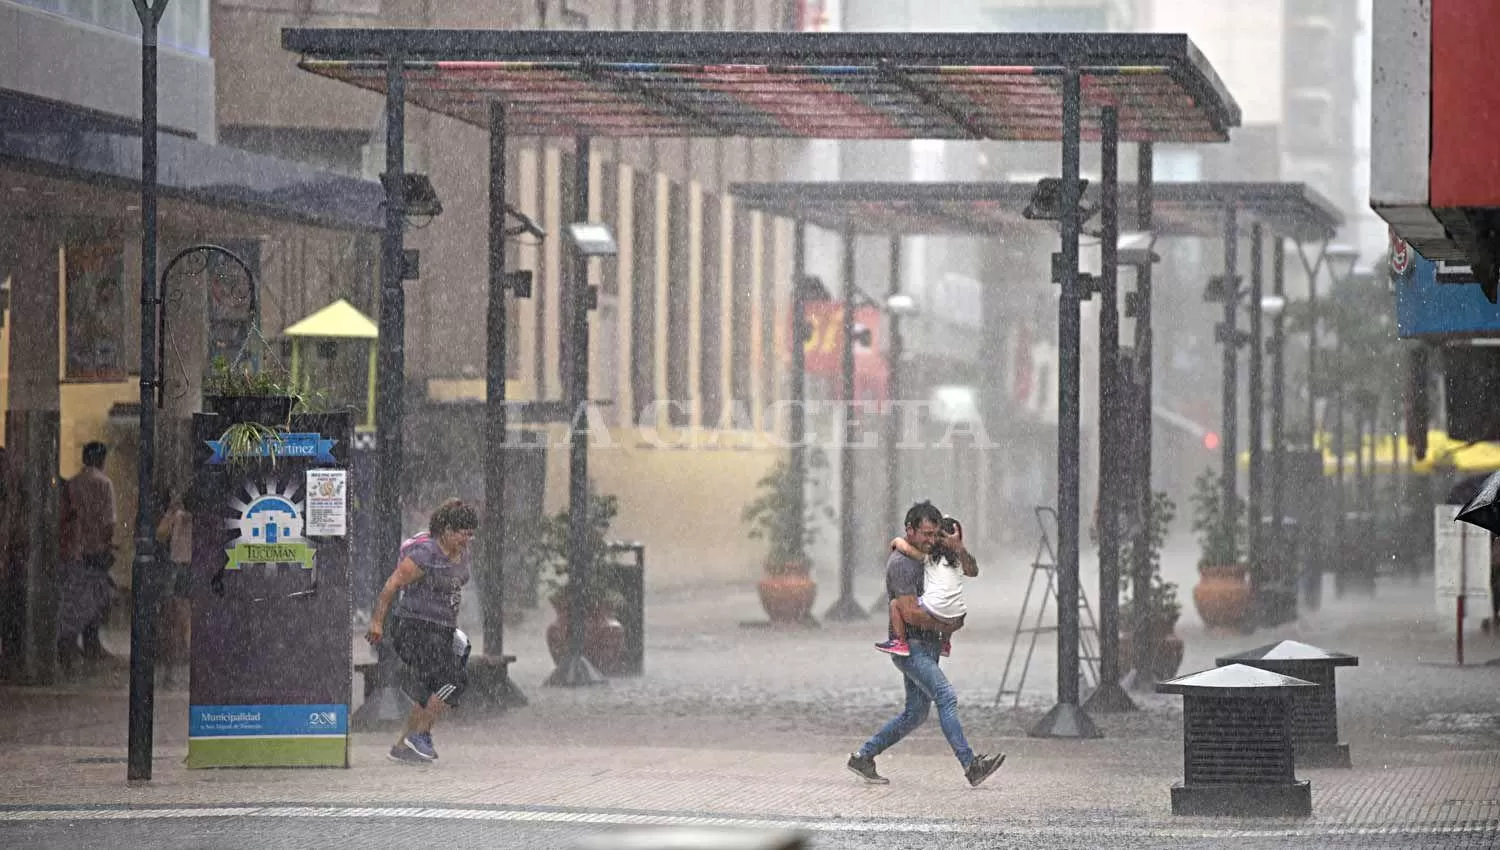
point(947, 649)
point(894, 647)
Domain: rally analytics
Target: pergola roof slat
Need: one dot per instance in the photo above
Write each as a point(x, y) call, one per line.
point(1001, 86)
point(1291, 210)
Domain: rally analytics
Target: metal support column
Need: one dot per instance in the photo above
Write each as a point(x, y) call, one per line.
point(492, 599)
point(896, 350)
point(1255, 547)
point(1229, 454)
point(142, 697)
point(1285, 605)
point(797, 419)
point(387, 706)
point(1067, 719)
point(1109, 697)
point(845, 608)
point(575, 669)
point(1142, 556)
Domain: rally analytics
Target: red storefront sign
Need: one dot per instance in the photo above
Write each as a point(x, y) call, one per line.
point(822, 350)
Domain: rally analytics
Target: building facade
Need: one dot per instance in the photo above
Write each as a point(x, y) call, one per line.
point(70, 235)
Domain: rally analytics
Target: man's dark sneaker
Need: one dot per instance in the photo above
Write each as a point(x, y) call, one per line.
point(402, 753)
point(420, 744)
point(981, 767)
point(424, 745)
point(864, 768)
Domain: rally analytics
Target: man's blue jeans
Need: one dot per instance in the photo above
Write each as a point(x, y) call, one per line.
point(925, 685)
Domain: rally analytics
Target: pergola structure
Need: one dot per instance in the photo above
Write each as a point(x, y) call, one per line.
point(1207, 210)
point(1048, 87)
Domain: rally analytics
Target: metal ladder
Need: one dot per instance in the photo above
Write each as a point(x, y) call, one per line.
point(1088, 655)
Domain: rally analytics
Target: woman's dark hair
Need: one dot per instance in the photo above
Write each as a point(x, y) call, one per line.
point(923, 511)
point(453, 515)
point(951, 525)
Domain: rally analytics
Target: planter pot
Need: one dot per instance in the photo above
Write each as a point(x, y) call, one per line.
point(603, 638)
point(1222, 596)
point(266, 409)
point(1164, 660)
point(787, 595)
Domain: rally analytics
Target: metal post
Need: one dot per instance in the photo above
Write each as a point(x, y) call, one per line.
point(845, 608)
point(1229, 447)
point(1109, 697)
point(1142, 557)
point(1067, 719)
point(1278, 544)
point(1255, 552)
point(1339, 504)
point(575, 669)
point(140, 714)
point(496, 334)
point(894, 352)
point(1313, 533)
point(797, 422)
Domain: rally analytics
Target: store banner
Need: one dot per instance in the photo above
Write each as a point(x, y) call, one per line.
point(95, 311)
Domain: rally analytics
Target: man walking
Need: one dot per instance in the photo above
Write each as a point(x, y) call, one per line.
point(924, 680)
point(88, 552)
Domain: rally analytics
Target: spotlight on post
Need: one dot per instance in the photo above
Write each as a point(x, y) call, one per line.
point(1221, 289)
point(1046, 200)
point(1341, 260)
point(901, 304)
point(1273, 305)
point(592, 239)
point(420, 196)
point(1134, 248)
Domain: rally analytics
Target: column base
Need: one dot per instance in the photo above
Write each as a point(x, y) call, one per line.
point(1293, 799)
point(1065, 720)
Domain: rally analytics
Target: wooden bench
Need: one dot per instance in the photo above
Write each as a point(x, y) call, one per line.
point(489, 681)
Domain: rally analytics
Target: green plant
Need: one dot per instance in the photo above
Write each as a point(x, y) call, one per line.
point(242, 441)
point(772, 517)
point(553, 545)
point(1221, 537)
point(239, 379)
point(1162, 606)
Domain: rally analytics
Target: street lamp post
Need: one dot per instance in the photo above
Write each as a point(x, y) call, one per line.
point(142, 691)
point(589, 240)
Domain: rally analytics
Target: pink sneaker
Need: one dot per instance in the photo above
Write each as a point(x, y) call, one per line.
point(894, 647)
point(947, 649)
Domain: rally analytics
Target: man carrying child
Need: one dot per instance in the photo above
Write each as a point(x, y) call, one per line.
point(924, 638)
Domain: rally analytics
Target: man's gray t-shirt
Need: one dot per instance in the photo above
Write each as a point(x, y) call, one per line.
point(436, 596)
point(904, 577)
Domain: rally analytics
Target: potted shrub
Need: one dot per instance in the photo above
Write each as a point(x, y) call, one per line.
point(603, 634)
point(787, 592)
point(1222, 596)
point(1165, 648)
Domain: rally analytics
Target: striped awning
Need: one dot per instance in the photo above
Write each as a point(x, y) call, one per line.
point(1005, 86)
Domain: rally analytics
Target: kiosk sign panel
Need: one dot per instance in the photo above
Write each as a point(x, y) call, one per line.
point(272, 664)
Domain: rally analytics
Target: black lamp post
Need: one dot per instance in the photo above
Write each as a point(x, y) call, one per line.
point(142, 695)
point(589, 239)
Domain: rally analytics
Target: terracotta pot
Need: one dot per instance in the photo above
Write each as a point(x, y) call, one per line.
point(787, 595)
point(1222, 596)
point(603, 638)
point(1165, 658)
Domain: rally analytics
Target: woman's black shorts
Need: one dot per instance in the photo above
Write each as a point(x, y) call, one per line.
point(432, 667)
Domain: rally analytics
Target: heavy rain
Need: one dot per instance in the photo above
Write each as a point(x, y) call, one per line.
point(755, 424)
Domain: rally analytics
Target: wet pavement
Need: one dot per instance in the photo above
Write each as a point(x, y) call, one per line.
point(750, 727)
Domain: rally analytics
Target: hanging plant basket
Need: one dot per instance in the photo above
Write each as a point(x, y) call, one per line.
point(267, 409)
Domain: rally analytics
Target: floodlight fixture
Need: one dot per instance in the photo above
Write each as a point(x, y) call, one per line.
point(592, 239)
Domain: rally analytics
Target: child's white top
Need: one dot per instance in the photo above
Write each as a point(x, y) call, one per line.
point(943, 587)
